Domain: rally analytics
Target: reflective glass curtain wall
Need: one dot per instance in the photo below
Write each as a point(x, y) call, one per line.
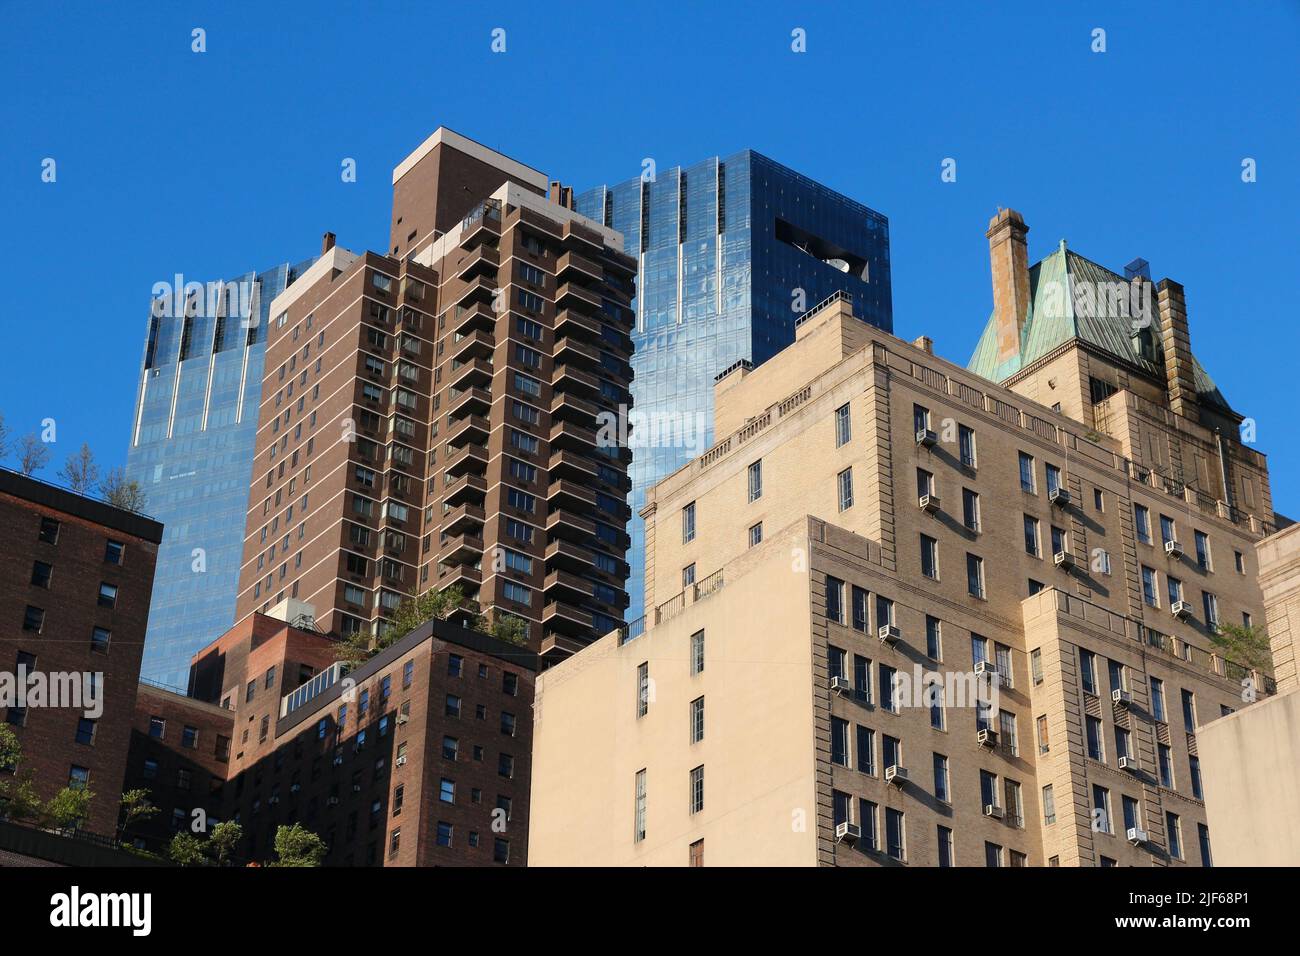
point(723, 247)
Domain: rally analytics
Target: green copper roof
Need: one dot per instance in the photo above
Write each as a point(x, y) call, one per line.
point(1068, 300)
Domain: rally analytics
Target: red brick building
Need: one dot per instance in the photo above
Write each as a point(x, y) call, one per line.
point(76, 576)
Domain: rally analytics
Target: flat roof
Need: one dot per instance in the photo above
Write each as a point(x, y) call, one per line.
point(82, 506)
point(446, 137)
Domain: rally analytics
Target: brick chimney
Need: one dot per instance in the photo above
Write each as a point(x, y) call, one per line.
point(1009, 261)
point(561, 194)
point(1177, 346)
point(326, 243)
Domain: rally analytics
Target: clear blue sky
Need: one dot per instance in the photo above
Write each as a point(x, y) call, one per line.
point(215, 163)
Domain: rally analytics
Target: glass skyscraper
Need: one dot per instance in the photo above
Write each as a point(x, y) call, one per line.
point(730, 252)
point(192, 453)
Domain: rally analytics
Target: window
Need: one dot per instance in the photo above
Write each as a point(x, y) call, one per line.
point(1031, 536)
point(1118, 675)
point(862, 678)
point(992, 854)
point(1168, 532)
point(505, 766)
point(696, 855)
point(1174, 835)
point(941, 777)
point(934, 701)
point(929, 557)
point(78, 777)
point(643, 688)
point(887, 698)
point(924, 483)
point(444, 834)
point(1211, 605)
point(891, 751)
point(975, 575)
point(41, 574)
point(49, 532)
point(1098, 500)
point(970, 510)
point(1203, 837)
point(933, 638)
point(966, 443)
point(894, 835)
point(107, 595)
point(1040, 727)
point(1060, 542)
point(688, 576)
point(1194, 764)
point(697, 653)
point(85, 731)
point(157, 728)
point(113, 552)
point(1027, 473)
point(1189, 711)
point(839, 741)
point(1101, 822)
point(834, 599)
point(945, 846)
point(33, 619)
point(843, 426)
point(1149, 587)
point(1166, 765)
point(1132, 816)
point(869, 821)
point(845, 482)
point(1123, 743)
point(1053, 478)
point(1015, 807)
point(1240, 560)
point(1203, 550)
point(452, 708)
point(1142, 523)
point(859, 599)
point(1049, 806)
point(1007, 730)
point(756, 534)
point(99, 639)
point(697, 790)
point(1036, 665)
point(866, 750)
point(756, 480)
point(1092, 729)
point(688, 523)
point(638, 808)
point(697, 720)
point(835, 660)
point(1174, 588)
point(920, 418)
point(190, 738)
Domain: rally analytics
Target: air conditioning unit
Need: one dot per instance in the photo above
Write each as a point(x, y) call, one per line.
point(1136, 835)
point(401, 761)
point(1181, 610)
point(1121, 697)
point(1173, 549)
point(896, 775)
point(986, 737)
point(356, 788)
point(1059, 496)
point(926, 437)
point(402, 718)
point(929, 503)
point(986, 669)
point(1063, 559)
point(1127, 763)
point(993, 810)
point(847, 832)
point(295, 788)
point(889, 634)
point(841, 684)
point(332, 801)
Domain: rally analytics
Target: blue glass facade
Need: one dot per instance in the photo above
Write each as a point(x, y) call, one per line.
point(730, 251)
point(192, 453)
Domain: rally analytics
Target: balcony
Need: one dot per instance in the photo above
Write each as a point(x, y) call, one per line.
point(482, 260)
point(475, 344)
point(574, 264)
point(479, 289)
point(483, 223)
point(569, 525)
point(462, 549)
point(569, 349)
point(569, 556)
point(572, 322)
point(575, 437)
point(570, 408)
point(467, 519)
point(566, 618)
point(468, 577)
point(467, 488)
point(556, 646)
point(466, 459)
point(570, 378)
point(479, 315)
point(578, 236)
point(472, 373)
point(470, 429)
point(563, 586)
point(570, 494)
point(472, 401)
point(567, 464)
point(570, 294)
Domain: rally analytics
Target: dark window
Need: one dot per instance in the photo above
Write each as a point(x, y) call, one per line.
point(49, 531)
point(41, 573)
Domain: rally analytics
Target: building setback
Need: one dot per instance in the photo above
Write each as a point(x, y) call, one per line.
point(419, 756)
point(874, 520)
point(192, 450)
point(429, 417)
point(76, 578)
point(730, 251)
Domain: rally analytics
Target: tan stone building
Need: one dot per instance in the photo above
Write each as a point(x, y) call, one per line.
point(1252, 758)
point(877, 519)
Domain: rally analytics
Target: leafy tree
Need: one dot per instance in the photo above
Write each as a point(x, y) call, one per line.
point(67, 808)
point(33, 454)
point(186, 850)
point(117, 490)
point(4, 438)
point(135, 806)
point(411, 613)
point(224, 840)
point(510, 628)
point(21, 802)
point(1244, 645)
point(10, 749)
point(296, 846)
point(80, 473)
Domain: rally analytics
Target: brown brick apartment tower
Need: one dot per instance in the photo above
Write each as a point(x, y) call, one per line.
point(76, 576)
point(430, 417)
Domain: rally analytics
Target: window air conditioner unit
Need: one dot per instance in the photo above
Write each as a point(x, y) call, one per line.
point(1063, 559)
point(896, 775)
point(402, 718)
point(1059, 496)
point(929, 504)
point(926, 437)
point(1127, 763)
point(889, 634)
point(332, 801)
point(986, 669)
point(1181, 610)
point(1173, 549)
point(840, 684)
point(401, 761)
point(1121, 697)
point(993, 810)
point(1136, 835)
point(986, 737)
point(847, 832)
point(356, 788)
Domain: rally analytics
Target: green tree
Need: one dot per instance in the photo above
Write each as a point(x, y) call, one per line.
point(18, 795)
point(121, 493)
point(187, 850)
point(224, 840)
point(67, 808)
point(296, 846)
point(11, 751)
point(411, 613)
point(510, 628)
point(1244, 645)
point(134, 806)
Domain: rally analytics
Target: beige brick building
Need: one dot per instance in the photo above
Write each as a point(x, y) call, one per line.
point(876, 519)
